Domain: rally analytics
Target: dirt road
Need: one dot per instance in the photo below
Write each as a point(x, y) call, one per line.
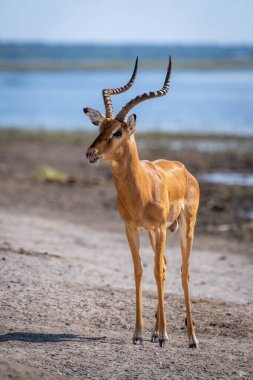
point(68, 306)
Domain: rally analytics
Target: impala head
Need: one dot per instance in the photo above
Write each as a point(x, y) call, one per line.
point(114, 131)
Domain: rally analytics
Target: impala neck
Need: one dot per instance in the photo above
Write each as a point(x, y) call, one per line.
point(126, 166)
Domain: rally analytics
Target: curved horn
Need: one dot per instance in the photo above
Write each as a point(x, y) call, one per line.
point(147, 95)
point(108, 92)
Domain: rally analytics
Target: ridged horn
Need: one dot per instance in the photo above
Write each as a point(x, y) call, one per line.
point(115, 91)
point(146, 96)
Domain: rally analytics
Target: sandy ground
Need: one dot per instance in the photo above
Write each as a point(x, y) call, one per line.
point(67, 291)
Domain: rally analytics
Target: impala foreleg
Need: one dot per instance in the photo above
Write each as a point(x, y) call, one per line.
point(160, 276)
point(154, 336)
point(155, 333)
point(187, 223)
point(134, 244)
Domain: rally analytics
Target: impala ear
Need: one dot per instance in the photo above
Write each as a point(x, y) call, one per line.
point(95, 117)
point(131, 124)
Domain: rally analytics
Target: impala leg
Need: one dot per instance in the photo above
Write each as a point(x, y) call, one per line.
point(155, 333)
point(154, 336)
point(134, 244)
point(187, 223)
point(160, 276)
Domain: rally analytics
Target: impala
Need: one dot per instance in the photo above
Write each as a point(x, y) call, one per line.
point(151, 195)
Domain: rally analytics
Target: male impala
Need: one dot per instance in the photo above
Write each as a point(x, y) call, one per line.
point(151, 195)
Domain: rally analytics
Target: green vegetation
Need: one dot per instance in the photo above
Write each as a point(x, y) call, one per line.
point(45, 136)
point(121, 65)
point(204, 142)
point(83, 136)
point(78, 135)
point(48, 174)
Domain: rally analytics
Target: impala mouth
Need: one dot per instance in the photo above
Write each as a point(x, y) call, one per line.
point(93, 158)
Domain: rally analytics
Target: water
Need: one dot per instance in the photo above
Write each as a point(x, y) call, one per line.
point(240, 179)
point(198, 101)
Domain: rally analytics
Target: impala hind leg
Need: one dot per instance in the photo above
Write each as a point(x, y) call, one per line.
point(187, 223)
point(160, 276)
point(134, 244)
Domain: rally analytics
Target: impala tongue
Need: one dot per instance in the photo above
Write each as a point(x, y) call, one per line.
point(93, 158)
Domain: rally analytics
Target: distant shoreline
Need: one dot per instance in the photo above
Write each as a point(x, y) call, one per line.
point(48, 66)
point(59, 57)
point(78, 135)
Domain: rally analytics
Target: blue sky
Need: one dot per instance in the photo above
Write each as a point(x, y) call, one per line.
point(159, 21)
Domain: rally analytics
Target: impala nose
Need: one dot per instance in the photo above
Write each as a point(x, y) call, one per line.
point(91, 152)
point(92, 155)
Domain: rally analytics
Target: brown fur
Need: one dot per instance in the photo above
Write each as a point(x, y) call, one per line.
point(154, 196)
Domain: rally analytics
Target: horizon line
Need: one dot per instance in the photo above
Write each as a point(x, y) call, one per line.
point(128, 43)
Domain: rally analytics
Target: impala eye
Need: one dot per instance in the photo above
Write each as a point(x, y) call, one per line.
point(117, 134)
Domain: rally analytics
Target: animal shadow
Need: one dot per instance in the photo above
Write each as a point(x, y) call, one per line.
point(47, 338)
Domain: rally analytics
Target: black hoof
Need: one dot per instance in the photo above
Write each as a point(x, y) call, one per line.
point(154, 338)
point(194, 345)
point(163, 343)
point(137, 341)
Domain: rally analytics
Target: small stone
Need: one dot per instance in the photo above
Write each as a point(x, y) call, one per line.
point(222, 258)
